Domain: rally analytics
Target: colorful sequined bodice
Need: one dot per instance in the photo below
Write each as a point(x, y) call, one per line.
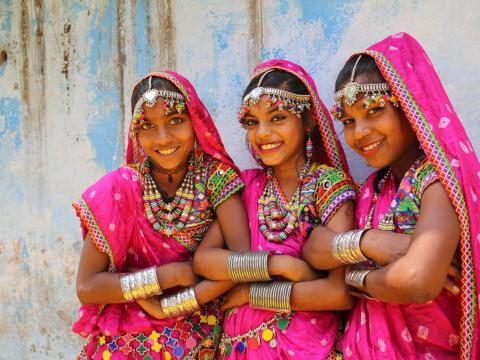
point(405, 207)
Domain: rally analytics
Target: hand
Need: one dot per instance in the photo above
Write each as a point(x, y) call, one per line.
point(453, 278)
point(297, 270)
point(238, 296)
point(152, 307)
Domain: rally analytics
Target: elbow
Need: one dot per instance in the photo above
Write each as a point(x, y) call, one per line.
point(312, 255)
point(197, 263)
point(83, 294)
point(420, 286)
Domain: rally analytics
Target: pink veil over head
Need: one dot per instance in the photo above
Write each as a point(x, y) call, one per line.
point(205, 131)
point(327, 149)
point(413, 80)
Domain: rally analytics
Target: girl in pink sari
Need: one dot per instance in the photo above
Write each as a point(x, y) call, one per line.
point(303, 182)
point(151, 215)
point(420, 208)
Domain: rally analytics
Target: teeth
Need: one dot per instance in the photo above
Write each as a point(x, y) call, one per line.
point(269, 146)
point(167, 152)
point(371, 146)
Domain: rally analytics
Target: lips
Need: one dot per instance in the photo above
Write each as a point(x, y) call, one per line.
point(371, 148)
point(269, 147)
point(167, 151)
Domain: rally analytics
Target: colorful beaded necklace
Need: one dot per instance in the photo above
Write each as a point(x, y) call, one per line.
point(277, 217)
point(168, 217)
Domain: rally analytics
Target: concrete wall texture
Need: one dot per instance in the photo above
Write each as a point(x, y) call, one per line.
point(66, 72)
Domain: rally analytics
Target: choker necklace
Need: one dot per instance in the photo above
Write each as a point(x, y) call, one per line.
point(278, 218)
point(168, 172)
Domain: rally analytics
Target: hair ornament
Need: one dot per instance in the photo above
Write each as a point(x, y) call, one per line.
point(376, 93)
point(173, 101)
point(282, 99)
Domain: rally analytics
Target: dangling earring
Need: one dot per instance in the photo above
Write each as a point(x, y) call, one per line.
point(309, 148)
point(197, 154)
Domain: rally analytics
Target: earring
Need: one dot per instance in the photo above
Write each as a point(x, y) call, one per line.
point(197, 154)
point(309, 147)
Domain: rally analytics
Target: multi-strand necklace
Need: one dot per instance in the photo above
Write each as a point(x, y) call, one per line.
point(168, 217)
point(277, 217)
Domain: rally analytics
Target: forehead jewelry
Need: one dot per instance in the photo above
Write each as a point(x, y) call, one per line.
point(282, 99)
point(375, 94)
point(172, 100)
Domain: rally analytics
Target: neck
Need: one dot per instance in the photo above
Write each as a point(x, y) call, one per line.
point(401, 166)
point(288, 172)
point(164, 184)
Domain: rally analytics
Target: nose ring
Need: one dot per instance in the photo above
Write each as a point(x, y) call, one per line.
point(365, 131)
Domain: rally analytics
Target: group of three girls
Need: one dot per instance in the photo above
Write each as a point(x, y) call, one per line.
point(178, 226)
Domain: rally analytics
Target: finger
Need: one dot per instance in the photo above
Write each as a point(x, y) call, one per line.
point(454, 272)
point(451, 287)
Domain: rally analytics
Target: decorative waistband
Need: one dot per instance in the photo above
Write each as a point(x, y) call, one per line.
point(266, 330)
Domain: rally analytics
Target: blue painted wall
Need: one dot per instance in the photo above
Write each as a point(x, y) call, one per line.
point(66, 72)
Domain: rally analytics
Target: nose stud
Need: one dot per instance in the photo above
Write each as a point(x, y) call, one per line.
point(365, 131)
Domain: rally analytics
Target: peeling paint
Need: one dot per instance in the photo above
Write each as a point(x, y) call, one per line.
point(66, 71)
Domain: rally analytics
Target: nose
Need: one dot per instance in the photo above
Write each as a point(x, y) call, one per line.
point(362, 129)
point(163, 136)
point(263, 130)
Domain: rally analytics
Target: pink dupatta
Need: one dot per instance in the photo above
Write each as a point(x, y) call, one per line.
point(413, 80)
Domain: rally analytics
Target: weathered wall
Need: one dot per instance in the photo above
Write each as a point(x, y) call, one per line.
point(66, 70)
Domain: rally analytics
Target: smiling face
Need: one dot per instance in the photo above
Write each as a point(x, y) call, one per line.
point(278, 136)
point(166, 139)
point(381, 135)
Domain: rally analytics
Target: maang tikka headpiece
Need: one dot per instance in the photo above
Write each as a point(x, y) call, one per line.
point(172, 101)
point(282, 99)
point(375, 94)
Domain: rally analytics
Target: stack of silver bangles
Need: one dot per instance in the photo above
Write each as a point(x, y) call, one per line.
point(346, 247)
point(181, 303)
point(356, 278)
point(140, 284)
point(248, 266)
point(274, 296)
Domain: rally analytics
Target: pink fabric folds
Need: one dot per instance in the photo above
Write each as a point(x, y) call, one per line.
point(413, 80)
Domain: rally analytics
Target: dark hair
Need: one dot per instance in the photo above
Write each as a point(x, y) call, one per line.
point(366, 65)
point(157, 83)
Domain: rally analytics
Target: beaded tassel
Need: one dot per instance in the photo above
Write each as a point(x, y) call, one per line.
point(309, 148)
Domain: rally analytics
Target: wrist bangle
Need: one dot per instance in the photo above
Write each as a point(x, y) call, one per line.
point(140, 284)
point(356, 278)
point(273, 296)
point(248, 266)
point(181, 303)
point(346, 247)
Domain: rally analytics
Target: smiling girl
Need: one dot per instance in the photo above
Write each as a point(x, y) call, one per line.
point(416, 212)
point(142, 224)
point(302, 183)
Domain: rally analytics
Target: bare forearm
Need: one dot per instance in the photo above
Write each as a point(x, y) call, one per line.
point(208, 290)
point(212, 263)
point(320, 295)
point(318, 249)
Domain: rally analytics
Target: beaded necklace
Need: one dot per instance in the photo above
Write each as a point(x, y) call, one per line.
point(168, 217)
point(277, 217)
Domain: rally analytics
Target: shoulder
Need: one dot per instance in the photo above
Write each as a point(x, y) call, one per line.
point(424, 176)
point(121, 180)
point(328, 176)
point(251, 175)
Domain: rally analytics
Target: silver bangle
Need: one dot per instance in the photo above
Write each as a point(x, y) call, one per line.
point(356, 278)
point(248, 266)
point(274, 296)
point(346, 247)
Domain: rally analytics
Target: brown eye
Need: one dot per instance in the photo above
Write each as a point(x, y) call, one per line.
point(346, 122)
point(249, 122)
point(146, 126)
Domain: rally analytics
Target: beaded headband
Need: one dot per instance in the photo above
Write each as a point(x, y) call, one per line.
point(282, 99)
point(376, 93)
point(172, 100)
